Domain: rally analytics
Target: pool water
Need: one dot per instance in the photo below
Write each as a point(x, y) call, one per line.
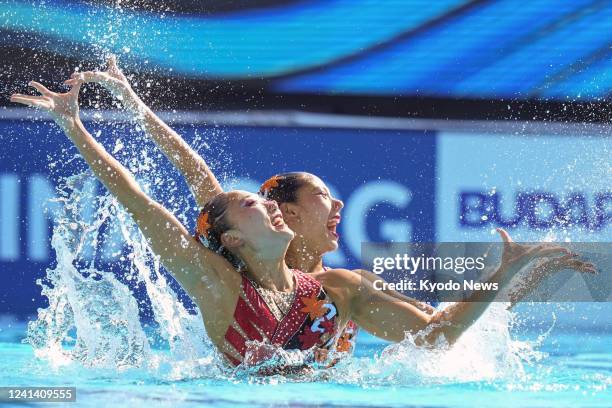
point(569, 368)
point(91, 336)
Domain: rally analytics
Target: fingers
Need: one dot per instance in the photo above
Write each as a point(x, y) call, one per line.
point(544, 250)
point(33, 101)
point(113, 69)
point(504, 235)
point(40, 88)
point(111, 63)
point(41, 105)
point(320, 355)
point(570, 261)
point(582, 266)
point(20, 98)
point(76, 87)
point(89, 76)
point(565, 259)
point(72, 81)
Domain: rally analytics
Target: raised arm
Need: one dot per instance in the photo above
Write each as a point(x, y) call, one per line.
point(185, 258)
point(386, 317)
point(518, 288)
point(199, 177)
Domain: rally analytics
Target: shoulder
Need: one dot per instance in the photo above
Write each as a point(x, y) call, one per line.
point(215, 285)
point(342, 285)
point(370, 276)
point(217, 300)
point(338, 277)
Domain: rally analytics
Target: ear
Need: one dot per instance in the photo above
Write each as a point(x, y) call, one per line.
point(291, 212)
point(231, 239)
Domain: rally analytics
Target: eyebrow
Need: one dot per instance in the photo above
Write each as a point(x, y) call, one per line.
point(251, 197)
point(324, 189)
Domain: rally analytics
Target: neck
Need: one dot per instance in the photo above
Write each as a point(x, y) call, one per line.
point(300, 257)
point(271, 273)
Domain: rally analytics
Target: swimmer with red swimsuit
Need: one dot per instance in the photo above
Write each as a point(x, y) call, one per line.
point(241, 234)
point(306, 203)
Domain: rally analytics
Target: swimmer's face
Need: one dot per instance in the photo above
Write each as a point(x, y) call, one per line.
point(256, 223)
point(315, 215)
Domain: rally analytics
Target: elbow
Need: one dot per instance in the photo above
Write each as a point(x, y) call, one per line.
point(140, 206)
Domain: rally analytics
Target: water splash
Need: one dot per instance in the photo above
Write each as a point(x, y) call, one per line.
point(93, 317)
point(485, 352)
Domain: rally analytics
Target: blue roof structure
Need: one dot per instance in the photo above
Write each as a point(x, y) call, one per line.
point(497, 49)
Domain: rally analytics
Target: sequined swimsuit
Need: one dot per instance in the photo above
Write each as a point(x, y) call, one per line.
point(311, 319)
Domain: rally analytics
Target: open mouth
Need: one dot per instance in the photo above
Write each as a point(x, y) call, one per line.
point(277, 221)
point(332, 224)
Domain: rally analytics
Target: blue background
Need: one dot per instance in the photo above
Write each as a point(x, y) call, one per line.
point(397, 186)
point(386, 179)
point(542, 50)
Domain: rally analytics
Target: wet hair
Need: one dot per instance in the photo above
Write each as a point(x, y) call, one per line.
point(283, 188)
point(212, 223)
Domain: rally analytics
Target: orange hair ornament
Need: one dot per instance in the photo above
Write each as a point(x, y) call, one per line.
point(202, 225)
point(271, 183)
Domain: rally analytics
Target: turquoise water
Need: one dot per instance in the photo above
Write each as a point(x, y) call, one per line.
point(569, 368)
point(91, 336)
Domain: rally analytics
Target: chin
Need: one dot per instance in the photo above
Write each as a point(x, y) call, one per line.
point(288, 233)
point(331, 245)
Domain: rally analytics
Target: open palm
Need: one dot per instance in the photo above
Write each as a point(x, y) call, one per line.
point(515, 256)
point(63, 107)
point(571, 262)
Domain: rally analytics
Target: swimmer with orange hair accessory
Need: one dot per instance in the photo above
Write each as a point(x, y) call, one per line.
point(306, 203)
point(260, 238)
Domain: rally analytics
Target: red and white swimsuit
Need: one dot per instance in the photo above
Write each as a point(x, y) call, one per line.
point(311, 321)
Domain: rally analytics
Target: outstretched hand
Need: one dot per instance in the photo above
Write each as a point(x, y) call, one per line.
point(515, 256)
point(544, 269)
point(570, 261)
point(112, 79)
point(63, 107)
